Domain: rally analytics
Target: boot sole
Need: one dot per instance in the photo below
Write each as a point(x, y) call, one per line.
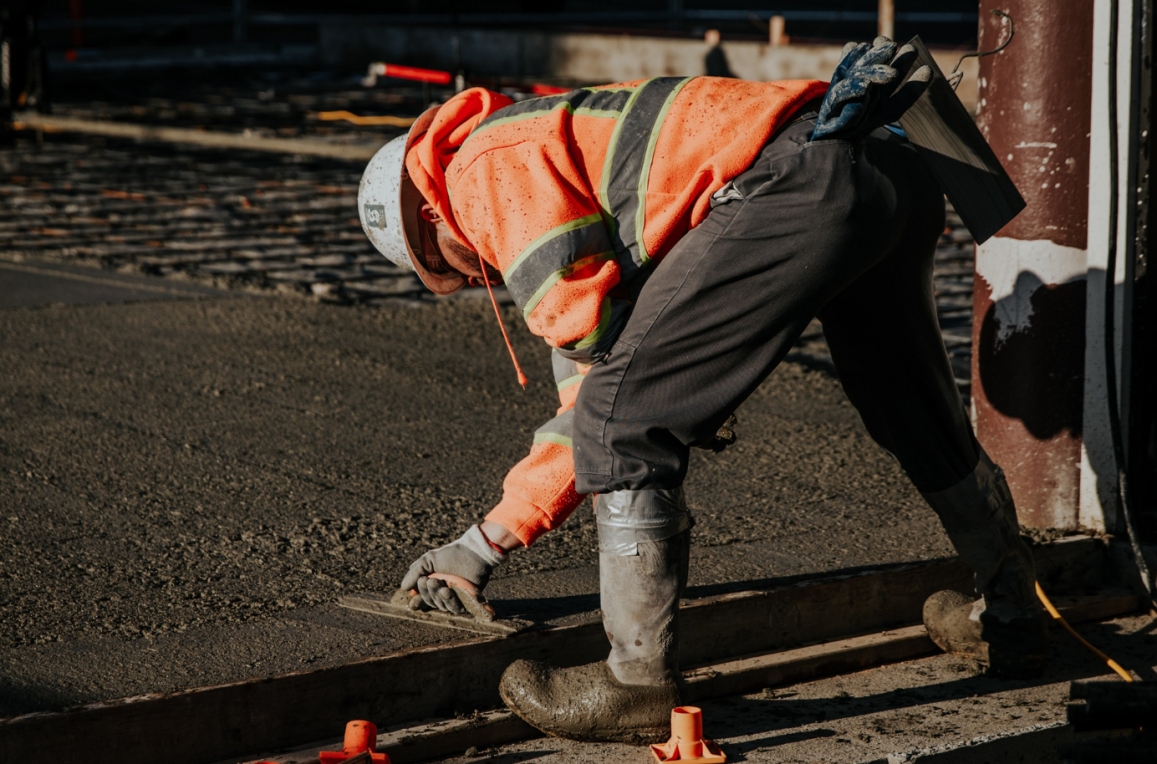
point(638, 737)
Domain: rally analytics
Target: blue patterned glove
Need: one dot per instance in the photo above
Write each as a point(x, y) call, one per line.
point(865, 91)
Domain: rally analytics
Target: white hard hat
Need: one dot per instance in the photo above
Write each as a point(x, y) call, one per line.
point(388, 204)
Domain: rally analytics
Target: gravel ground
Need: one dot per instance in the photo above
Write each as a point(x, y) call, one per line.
point(261, 222)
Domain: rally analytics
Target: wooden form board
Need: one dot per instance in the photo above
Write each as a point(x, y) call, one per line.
point(447, 737)
point(214, 723)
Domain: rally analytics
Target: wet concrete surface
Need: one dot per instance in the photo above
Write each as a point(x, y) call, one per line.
point(189, 485)
point(905, 712)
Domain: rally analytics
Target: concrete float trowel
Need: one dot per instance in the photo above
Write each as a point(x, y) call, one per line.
point(481, 617)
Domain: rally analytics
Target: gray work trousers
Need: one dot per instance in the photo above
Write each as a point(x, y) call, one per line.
point(840, 230)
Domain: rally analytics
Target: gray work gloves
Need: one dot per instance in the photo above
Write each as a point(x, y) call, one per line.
point(471, 557)
point(865, 91)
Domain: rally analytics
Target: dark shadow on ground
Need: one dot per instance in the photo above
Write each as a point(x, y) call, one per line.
point(778, 710)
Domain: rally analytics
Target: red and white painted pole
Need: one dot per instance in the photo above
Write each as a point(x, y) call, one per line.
point(1040, 381)
point(1029, 314)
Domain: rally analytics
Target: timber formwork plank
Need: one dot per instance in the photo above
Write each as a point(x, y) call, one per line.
point(735, 677)
point(208, 724)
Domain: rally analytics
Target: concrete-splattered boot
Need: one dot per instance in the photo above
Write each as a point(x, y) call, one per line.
point(627, 698)
point(1006, 630)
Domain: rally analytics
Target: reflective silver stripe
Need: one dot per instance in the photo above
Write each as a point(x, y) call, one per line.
point(627, 517)
point(559, 430)
point(595, 345)
point(552, 255)
point(566, 371)
point(587, 101)
point(627, 168)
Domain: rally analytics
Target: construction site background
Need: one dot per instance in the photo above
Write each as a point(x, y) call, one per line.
point(209, 426)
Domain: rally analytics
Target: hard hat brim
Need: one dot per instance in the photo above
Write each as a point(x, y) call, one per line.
point(389, 206)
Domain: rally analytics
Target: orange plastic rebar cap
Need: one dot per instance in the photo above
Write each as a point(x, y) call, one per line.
point(687, 743)
point(360, 736)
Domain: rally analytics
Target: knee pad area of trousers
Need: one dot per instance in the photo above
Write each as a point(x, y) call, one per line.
point(626, 518)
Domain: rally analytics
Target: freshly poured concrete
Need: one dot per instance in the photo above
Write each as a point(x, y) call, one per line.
point(189, 485)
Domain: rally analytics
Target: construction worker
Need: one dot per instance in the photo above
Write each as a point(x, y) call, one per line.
point(671, 239)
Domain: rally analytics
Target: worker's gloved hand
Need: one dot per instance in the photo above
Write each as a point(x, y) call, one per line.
point(865, 91)
point(471, 557)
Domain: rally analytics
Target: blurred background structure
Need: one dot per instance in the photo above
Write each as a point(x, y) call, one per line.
point(81, 23)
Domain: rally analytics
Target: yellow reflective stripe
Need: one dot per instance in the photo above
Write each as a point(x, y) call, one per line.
point(555, 277)
point(550, 437)
point(518, 118)
point(558, 230)
point(594, 336)
point(609, 159)
point(569, 381)
point(566, 105)
point(645, 172)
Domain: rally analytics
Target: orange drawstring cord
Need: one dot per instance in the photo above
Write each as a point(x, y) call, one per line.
point(501, 324)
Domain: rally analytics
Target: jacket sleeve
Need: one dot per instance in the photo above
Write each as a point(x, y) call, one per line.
point(538, 494)
point(527, 210)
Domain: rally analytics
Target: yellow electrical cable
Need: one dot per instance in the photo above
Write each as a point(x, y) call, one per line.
point(332, 116)
point(1088, 646)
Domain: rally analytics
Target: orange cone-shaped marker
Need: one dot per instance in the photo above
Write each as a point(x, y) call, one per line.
point(360, 737)
point(687, 743)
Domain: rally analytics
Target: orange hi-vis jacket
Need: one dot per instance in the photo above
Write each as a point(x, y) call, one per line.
point(574, 199)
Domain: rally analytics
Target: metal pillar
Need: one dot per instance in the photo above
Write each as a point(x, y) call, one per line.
point(1028, 362)
point(886, 19)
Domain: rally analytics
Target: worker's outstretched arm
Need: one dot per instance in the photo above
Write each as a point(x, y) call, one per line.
point(538, 494)
point(526, 210)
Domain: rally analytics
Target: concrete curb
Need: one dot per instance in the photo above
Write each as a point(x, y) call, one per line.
point(445, 737)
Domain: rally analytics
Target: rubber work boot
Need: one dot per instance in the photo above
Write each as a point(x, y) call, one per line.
point(1006, 630)
point(627, 698)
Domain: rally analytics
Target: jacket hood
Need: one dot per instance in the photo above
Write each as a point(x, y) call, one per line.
point(432, 153)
